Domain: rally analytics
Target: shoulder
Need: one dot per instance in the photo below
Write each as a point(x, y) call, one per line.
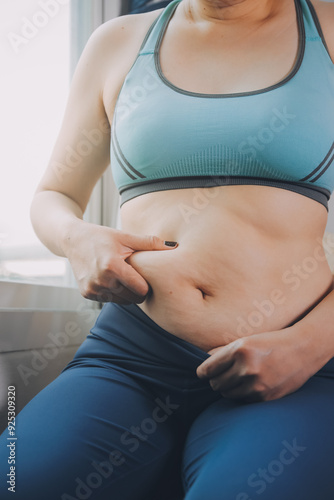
point(325, 13)
point(123, 32)
point(111, 51)
point(116, 42)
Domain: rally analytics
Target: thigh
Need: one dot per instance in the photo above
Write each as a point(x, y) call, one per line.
point(270, 450)
point(92, 433)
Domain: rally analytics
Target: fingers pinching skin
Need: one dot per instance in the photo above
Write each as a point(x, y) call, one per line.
point(98, 259)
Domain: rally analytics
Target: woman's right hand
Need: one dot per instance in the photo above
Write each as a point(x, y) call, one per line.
point(98, 256)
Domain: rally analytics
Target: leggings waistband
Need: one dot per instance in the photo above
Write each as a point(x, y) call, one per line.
point(130, 332)
point(133, 334)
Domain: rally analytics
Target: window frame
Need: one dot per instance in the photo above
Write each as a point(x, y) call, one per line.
point(86, 16)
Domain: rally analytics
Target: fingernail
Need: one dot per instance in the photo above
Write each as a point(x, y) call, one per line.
point(170, 243)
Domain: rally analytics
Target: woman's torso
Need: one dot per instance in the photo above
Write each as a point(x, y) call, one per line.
point(249, 257)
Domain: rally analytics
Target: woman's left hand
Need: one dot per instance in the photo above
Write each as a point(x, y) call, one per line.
point(261, 367)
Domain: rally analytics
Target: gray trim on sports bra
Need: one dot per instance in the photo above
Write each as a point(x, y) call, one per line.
point(316, 193)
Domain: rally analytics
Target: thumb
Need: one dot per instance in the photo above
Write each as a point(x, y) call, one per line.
point(148, 243)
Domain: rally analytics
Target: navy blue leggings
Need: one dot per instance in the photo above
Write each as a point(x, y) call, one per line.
point(128, 419)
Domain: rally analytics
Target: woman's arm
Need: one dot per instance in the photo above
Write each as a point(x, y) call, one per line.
point(80, 156)
point(76, 162)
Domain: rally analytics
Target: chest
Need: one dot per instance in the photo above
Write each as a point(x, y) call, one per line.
point(229, 60)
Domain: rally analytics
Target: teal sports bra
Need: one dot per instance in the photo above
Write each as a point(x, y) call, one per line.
point(164, 137)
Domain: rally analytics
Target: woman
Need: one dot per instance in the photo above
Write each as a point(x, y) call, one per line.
point(211, 363)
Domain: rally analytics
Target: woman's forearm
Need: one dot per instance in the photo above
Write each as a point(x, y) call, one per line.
point(55, 217)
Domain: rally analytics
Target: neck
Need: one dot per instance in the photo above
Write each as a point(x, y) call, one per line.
point(230, 10)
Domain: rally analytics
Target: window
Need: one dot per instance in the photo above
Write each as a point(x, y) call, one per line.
point(35, 81)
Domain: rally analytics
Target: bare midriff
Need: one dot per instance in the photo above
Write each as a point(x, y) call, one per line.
point(249, 260)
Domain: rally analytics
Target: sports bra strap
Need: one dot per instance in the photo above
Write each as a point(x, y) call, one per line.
point(157, 28)
point(312, 25)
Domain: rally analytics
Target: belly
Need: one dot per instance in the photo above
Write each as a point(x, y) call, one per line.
point(235, 272)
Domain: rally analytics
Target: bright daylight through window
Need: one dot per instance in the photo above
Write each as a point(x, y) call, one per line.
point(35, 55)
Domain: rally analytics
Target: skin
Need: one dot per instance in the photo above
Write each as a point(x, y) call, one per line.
point(227, 255)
